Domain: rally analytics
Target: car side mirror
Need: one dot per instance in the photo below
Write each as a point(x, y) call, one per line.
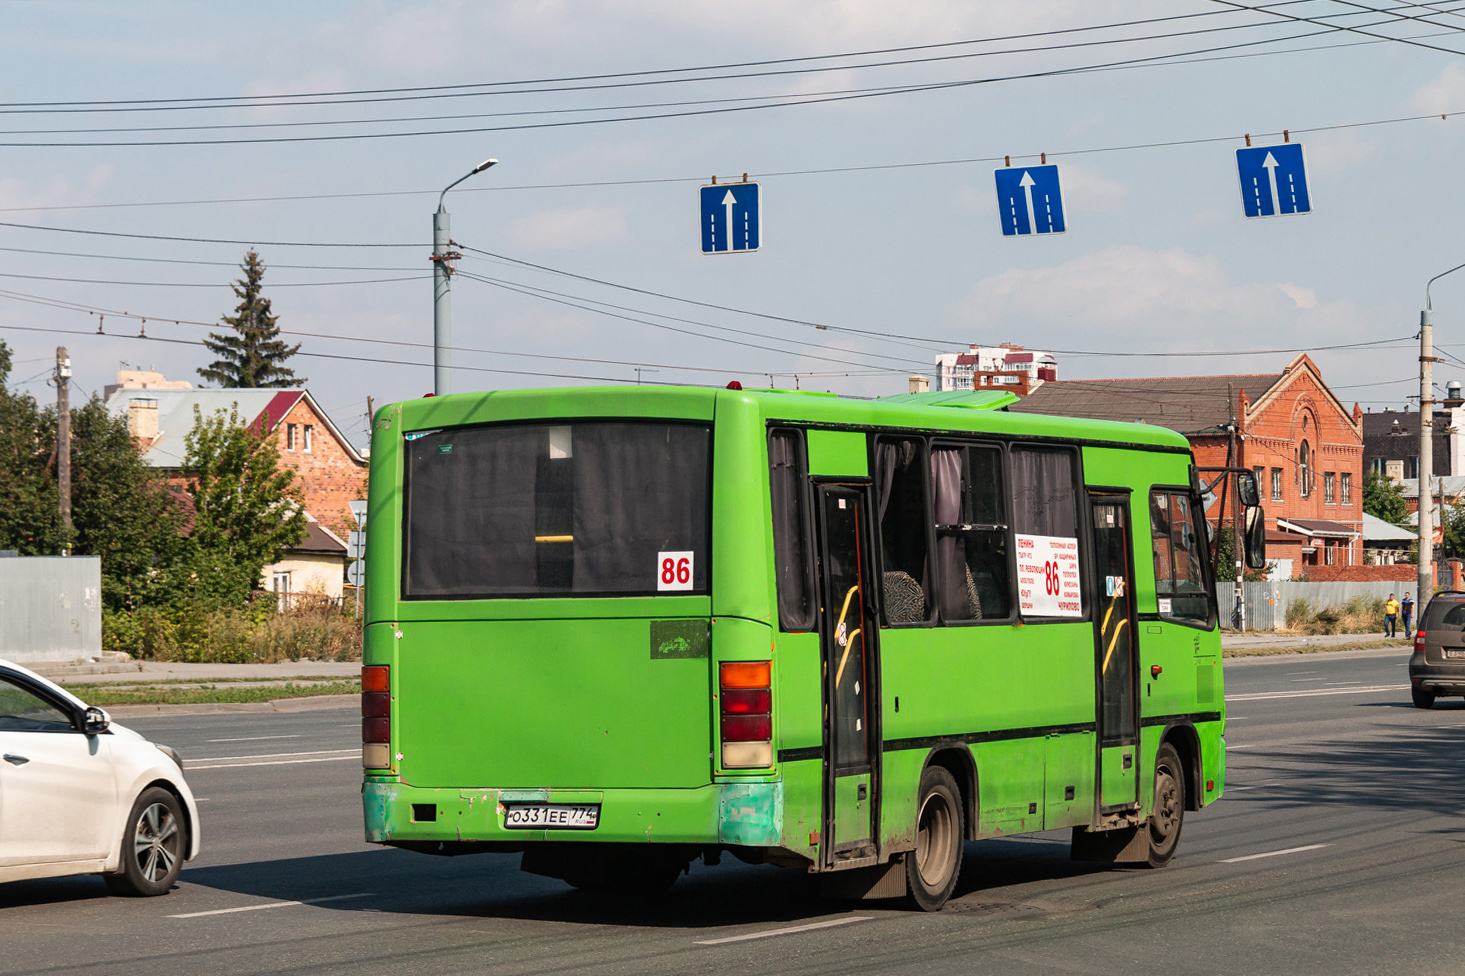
point(95, 721)
point(1246, 489)
point(1255, 521)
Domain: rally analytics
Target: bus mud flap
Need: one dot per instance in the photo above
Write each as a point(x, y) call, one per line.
point(376, 806)
point(880, 881)
point(1126, 845)
point(750, 814)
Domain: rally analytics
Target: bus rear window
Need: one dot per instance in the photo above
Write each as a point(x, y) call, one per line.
point(581, 509)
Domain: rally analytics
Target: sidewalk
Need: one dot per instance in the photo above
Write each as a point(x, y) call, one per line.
point(1266, 643)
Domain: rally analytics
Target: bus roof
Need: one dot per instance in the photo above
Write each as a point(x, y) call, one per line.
point(954, 411)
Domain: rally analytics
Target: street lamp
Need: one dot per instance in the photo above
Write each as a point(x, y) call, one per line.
point(442, 272)
point(1426, 439)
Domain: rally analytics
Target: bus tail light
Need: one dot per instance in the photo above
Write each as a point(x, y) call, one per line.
point(376, 717)
point(745, 698)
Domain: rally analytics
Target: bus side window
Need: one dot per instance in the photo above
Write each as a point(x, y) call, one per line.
point(787, 480)
point(1179, 579)
point(971, 533)
point(900, 466)
point(1045, 500)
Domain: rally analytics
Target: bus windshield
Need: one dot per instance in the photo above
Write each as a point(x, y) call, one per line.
point(557, 509)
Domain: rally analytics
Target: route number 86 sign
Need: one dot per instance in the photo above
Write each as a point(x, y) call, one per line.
point(674, 571)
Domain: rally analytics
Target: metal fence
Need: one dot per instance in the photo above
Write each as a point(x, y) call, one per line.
point(50, 608)
point(1267, 602)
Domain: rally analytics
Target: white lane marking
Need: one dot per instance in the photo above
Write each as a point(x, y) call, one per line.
point(1309, 693)
point(278, 755)
point(274, 904)
point(1231, 748)
point(1253, 786)
point(277, 762)
point(1253, 857)
point(259, 738)
point(1302, 672)
point(1327, 684)
point(788, 931)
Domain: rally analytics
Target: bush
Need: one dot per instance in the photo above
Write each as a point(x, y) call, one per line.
point(1360, 615)
point(312, 629)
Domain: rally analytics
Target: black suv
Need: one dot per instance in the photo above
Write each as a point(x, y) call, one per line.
point(1437, 666)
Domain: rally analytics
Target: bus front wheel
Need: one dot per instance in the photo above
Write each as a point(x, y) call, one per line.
point(933, 867)
point(1168, 811)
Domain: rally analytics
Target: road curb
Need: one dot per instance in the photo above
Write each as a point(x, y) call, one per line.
point(309, 703)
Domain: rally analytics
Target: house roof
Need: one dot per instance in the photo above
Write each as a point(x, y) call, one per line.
point(1319, 527)
point(266, 407)
point(1376, 529)
point(1188, 404)
point(1450, 484)
point(318, 538)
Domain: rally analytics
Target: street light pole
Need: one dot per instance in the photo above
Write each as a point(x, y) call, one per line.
point(442, 272)
point(1426, 440)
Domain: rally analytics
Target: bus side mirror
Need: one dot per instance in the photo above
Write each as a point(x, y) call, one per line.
point(1246, 489)
point(1255, 521)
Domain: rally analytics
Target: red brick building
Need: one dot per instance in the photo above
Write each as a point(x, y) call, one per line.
point(329, 470)
point(1304, 446)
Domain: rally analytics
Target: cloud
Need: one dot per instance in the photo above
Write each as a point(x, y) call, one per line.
point(1086, 190)
point(1443, 93)
point(1129, 298)
point(569, 229)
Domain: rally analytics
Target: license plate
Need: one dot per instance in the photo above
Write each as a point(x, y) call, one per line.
point(1455, 653)
point(552, 816)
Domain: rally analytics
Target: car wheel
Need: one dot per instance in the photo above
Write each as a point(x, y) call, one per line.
point(1168, 812)
point(152, 846)
point(932, 868)
point(1422, 698)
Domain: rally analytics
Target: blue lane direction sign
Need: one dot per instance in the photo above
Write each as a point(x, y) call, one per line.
point(1273, 180)
point(730, 218)
point(1029, 201)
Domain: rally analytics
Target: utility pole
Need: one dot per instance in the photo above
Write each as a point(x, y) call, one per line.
point(1426, 439)
point(1237, 543)
point(63, 443)
point(442, 273)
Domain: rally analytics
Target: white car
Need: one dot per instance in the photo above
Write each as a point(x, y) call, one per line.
point(80, 795)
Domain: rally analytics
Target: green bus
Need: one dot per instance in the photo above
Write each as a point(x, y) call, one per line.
point(620, 629)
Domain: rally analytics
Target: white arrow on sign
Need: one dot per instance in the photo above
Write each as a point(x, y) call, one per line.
point(1271, 165)
point(728, 202)
point(1027, 182)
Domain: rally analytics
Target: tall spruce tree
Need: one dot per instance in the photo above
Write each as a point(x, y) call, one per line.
point(253, 355)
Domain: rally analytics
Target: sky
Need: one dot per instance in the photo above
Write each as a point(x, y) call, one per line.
point(145, 146)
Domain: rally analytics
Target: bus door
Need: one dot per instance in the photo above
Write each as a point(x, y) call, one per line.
point(849, 643)
point(1117, 655)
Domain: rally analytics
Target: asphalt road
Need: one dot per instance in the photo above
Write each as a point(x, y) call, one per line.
point(1339, 848)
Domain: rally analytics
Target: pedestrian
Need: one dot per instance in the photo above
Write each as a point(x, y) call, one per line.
point(1406, 613)
point(1391, 614)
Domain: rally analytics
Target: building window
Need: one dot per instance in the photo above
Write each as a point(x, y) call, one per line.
point(1329, 478)
point(1412, 471)
point(309, 432)
point(289, 437)
point(281, 585)
point(1376, 465)
point(1330, 555)
point(1347, 489)
point(1304, 469)
point(1260, 474)
point(1276, 484)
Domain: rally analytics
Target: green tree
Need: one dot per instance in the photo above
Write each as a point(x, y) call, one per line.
point(1452, 524)
point(123, 512)
point(253, 355)
point(247, 508)
point(29, 519)
point(1383, 498)
point(1225, 567)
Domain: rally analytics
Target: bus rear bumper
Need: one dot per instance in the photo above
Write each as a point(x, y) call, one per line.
point(740, 813)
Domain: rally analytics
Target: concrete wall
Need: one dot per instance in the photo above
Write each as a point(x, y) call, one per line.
point(50, 608)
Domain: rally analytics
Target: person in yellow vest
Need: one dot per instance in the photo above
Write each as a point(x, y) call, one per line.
point(1391, 616)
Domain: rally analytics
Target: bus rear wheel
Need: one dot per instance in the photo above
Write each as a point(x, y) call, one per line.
point(1168, 812)
point(932, 868)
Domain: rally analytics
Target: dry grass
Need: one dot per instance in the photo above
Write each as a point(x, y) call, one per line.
point(309, 630)
point(1360, 615)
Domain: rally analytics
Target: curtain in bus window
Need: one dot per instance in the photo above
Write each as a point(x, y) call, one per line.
point(906, 587)
point(790, 556)
point(1043, 502)
point(470, 509)
point(640, 491)
point(971, 537)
